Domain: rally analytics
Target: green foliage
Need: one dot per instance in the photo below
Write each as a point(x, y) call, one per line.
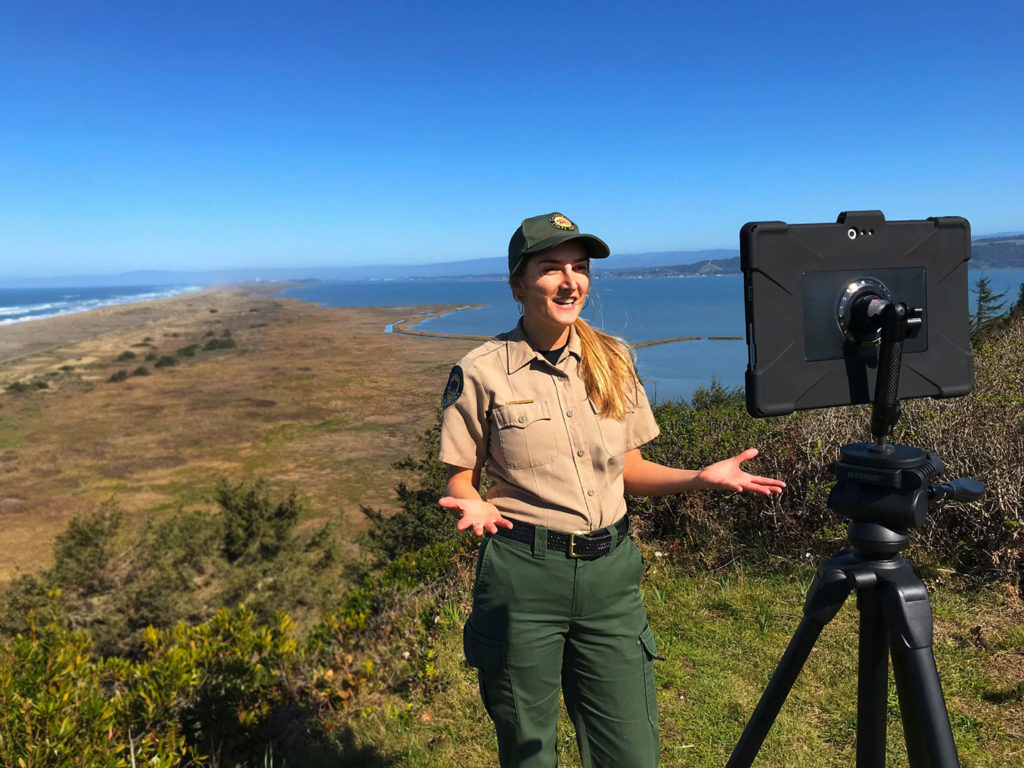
point(707, 524)
point(987, 306)
point(165, 361)
point(83, 551)
point(120, 375)
point(222, 693)
point(422, 521)
point(113, 586)
point(222, 343)
point(189, 351)
point(255, 526)
point(125, 356)
point(141, 371)
point(19, 387)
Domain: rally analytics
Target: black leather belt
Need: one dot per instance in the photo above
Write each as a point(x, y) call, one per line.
point(585, 544)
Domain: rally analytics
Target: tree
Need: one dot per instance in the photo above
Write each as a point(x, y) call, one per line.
point(1018, 308)
point(987, 306)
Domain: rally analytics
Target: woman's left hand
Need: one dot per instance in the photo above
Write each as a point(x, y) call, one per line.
point(727, 475)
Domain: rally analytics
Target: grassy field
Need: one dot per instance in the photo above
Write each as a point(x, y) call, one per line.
point(315, 399)
point(720, 637)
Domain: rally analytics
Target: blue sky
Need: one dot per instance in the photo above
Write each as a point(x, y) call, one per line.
point(139, 135)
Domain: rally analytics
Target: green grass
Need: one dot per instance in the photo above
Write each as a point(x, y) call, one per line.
point(721, 637)
point(16, 427)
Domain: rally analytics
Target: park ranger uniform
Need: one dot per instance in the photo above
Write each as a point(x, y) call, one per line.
point(553, 607)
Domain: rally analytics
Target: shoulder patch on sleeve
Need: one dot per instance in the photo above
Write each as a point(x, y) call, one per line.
point(453, 388)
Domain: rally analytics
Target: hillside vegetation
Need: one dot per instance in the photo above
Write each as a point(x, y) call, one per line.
point(223, 639)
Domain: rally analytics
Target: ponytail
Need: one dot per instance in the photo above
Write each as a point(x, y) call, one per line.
point(608, 371)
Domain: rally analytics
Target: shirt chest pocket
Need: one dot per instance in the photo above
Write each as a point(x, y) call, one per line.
point(613, 432)
point(525, 435)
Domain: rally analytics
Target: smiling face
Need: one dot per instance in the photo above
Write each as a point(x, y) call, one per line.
point(552, 286)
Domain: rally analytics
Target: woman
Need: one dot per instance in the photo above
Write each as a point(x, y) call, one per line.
point(555, 411)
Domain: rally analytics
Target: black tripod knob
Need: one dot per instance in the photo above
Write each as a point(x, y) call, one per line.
point(961, 489)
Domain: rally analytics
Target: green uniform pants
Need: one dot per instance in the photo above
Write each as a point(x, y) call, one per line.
point(542, 621)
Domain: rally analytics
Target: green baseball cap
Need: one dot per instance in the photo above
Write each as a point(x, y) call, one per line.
point(538, 233)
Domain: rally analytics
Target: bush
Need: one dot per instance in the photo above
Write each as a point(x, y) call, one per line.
point(151, 356)
point(141, 371)
point(232, 687)
point(120, 375)
point(189, 351)
point(125, 356)
point(166, 361)
point(421, 521)
point(19, 387)
point(82, 552)
point(253, 524)
point(113, 586)
point(219, 344)
point(981, 436)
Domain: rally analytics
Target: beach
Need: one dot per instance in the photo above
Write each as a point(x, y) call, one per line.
point(317, 400)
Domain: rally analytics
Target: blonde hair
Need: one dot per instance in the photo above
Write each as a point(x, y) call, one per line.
point(607, 363)
point(608, 370)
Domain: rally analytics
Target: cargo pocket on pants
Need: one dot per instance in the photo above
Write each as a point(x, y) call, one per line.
point(489, 658)
point(650, 653)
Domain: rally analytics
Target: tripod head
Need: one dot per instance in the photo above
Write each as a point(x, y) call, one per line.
point(883, 488)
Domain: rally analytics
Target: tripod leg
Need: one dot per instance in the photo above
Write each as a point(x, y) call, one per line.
point(824, 599)
point(926, 726)
point(872, 681)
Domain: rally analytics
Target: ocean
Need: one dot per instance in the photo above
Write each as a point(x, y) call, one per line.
point(634, 309)
point(21, 304)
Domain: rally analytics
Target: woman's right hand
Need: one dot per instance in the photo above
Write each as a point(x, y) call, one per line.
point(477, 514)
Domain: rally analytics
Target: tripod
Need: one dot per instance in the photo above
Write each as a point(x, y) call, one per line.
point(884, 490)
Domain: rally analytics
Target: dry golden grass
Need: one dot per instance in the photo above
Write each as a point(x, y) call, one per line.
point(316, 399)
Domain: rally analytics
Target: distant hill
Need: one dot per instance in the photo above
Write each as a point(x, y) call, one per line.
point(1001, 252)
point(992, 252)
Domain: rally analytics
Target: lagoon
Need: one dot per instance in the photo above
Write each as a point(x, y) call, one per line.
point(635, 309)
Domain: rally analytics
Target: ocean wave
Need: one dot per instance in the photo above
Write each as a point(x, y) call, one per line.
point(40, 310)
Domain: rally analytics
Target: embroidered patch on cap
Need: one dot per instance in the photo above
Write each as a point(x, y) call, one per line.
point(453, 388)
point(558, 221)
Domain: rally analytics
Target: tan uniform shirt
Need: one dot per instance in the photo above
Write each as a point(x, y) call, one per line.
point(552, 460)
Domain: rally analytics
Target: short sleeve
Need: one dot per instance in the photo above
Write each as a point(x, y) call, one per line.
point(640, 424)
point(464, 430)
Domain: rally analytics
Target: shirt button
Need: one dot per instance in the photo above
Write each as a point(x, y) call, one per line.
point(580, 452)
point(570, 413)
point(522, 419)
point(590, 492)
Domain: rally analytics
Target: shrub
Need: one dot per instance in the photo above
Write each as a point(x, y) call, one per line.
point(254, 525)
point(189, 351)
point(125, 356)
point(151, 356)
point(165, 361)
point(141, 371)
point(120, 375)
point(18, 387)
point(981, 436)
point(421, 521)
point(82, 552)
point(219, 344)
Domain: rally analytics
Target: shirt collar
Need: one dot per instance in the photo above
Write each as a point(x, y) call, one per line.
point(519, 353)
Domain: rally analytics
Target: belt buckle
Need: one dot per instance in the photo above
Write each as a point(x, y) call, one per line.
point(572, 543)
